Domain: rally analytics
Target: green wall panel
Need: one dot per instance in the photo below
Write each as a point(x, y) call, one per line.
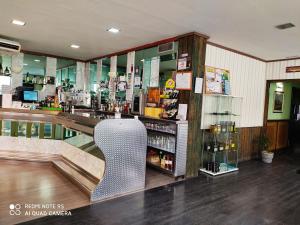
point(285, 115)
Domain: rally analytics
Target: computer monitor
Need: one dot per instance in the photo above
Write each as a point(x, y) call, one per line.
point(30, 96)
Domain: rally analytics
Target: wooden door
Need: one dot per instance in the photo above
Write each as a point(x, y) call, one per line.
point(272, 134)
point(282, 134)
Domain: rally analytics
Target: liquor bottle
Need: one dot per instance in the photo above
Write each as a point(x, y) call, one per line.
point(27, 78)
point(171, 163)
point(227, 146)
point(207, 147)
point(1, 69)
point(6, 71)
point(232, 145)
point(221, 147)
point(166, 161)
point(163, 162)
point(216, 147)
point(234, 128)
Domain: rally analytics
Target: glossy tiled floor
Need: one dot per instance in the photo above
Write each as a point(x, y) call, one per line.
point(258, 194)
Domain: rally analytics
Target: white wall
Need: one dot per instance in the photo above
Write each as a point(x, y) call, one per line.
point(248, 80)
point(49, 89)
point(17, 70)
point(80, 70)
point(276, 70)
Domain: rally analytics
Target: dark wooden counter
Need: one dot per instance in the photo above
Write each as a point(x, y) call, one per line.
point(76, 122)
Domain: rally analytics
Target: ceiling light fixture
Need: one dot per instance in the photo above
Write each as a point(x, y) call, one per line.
point(74, 46)
point(285, 26)
point(18, 22)
point(113, 30)
point(25, 64)
point(37, 60)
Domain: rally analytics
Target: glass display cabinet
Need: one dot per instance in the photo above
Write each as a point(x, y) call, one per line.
point(221, 137)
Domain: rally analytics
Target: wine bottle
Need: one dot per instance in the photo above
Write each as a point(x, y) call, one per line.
point(6, 71)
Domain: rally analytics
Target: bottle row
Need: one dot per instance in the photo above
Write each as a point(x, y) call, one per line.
point(169, 128)
point(161, 159)
point(165, 142)
point(223, 127)
point(221, 146)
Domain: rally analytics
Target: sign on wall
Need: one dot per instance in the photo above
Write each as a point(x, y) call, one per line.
point(217, 81)
point(293, 69)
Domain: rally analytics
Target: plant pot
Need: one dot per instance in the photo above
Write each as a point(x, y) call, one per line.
point(267, 157)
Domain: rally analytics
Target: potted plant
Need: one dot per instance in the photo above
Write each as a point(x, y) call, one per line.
point(263, 144)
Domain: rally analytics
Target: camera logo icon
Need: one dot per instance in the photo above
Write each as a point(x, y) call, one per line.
point(15, 209)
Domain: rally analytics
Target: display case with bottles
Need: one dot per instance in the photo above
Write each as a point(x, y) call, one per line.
point(167, 143)
point(221, 122)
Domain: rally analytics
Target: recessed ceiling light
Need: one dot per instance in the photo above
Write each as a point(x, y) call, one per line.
point(25, 64)
point(18, 22)
point(285, 26)
point(75, 46)
point(37, 60)
point(113, 30)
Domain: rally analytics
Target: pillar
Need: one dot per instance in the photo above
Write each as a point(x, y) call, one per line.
point(193, 44)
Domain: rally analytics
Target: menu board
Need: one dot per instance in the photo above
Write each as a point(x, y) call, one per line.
point(217, 81)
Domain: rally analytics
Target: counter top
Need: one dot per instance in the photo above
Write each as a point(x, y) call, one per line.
point(98, 112)
point(76, 122)
point(81, 120)
point(46, 112)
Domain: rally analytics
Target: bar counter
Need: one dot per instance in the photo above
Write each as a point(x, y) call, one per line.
point(56, 137)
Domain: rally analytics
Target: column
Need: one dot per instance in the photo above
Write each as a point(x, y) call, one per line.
point(194, 45)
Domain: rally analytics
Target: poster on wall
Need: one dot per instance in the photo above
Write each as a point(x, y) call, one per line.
point(278, 102)
point(184, 81)
point(217, 81)
point(154, 78)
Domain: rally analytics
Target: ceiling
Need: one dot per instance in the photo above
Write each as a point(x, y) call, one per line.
point(248, 25)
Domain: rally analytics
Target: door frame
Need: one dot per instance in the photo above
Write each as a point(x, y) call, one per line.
point(266, 107)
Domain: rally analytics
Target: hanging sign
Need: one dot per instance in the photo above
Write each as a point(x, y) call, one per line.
point(154, 79)
point(293, 69)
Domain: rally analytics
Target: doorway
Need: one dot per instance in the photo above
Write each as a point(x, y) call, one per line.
point(282, 114)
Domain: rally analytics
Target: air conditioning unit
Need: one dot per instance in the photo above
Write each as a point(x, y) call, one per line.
point(10, 46)
point(167, 47)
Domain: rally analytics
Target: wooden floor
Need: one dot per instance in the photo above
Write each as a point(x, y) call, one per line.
point(258, 194)
point(156, 178)
point(24, 182)
point(34, 183)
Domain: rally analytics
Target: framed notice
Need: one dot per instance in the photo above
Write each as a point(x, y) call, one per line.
point(184, 81)
point(217, 81)
point(278, 102)
point(182, 63)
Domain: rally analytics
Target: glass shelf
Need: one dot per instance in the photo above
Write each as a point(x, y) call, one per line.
point(221, 122)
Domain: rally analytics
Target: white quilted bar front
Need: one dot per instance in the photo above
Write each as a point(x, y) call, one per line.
point(124, 145)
